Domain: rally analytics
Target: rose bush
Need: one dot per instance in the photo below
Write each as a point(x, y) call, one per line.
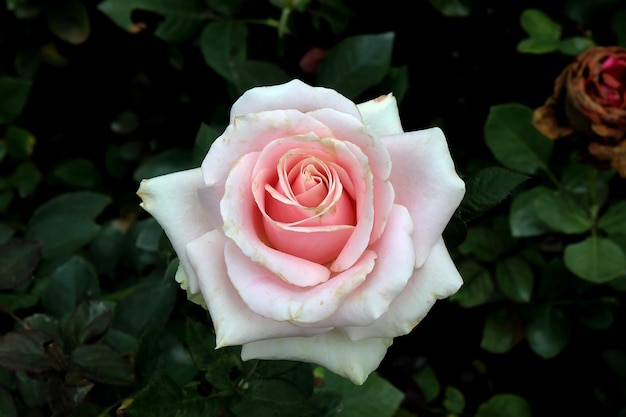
point(590, 99)
point(313, 229)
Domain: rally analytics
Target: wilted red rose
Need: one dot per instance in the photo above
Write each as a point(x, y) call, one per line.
point(590, 99)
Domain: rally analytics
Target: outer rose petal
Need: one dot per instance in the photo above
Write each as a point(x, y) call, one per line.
point(426, 183)
point(438, 278)
point(381, 115)
point(292, 95)
point(354, 360)
point(234, 322)
point(173, 201)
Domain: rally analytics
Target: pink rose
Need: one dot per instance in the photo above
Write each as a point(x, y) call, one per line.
point(313, 229)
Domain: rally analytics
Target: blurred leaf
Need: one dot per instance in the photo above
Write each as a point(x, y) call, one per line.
point(7, 407)
point(618, 24)
point(20, 142)
point(515, 279)
point(162, 397)
point(575, 45)
point(452, 8)
point(539, 25)
point(69, 20)
point(487, 188)
point(595, 259)
point(13, 96)
point(18, 260)
point(100, 363)
point(204, 139)
point(377, 397)
point(501, 405)
point(181, 18)
point(63, 397)
point(547, 332)
point(560, 212)
point(227, 8)
point(537, 45)
point(477, 287)
point(482, 242)
point(249, 74)
point(32, 390)
point(453, 400)
point(501, 331)
point(224, 43)
point(264, 396)
point(6, 233)
point(583, 11)
point(24, 350)
point(613, 221)
point(523, 218)
point(86, 204)
point(79, 172)
point(70, 283)
point(172, 160)
point(428, 383)
point(90, 320)
point(514, 141)
point(596, 315)
point(62, 234)
point(146, 308)
point(25, 178)
point(20, 300)
point(356, 63)
point(5, 200)
point(106, 249)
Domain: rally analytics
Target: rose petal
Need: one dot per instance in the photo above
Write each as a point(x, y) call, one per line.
point(242, 223)
point(354, 360)
point(292, 95)
point(395, 265)
point(381, 115)
point(269, 296)
point(234, 322)
point(172, 200)
point(438, 278)
point(426, 183)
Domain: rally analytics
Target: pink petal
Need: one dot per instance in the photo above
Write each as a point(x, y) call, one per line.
point(292, 95)
point(426, 183)
point(395, 265)
point(271, 297)
point(173, 201)
point(243, 221)
point(234, 322)
point(354, 360)
point(438, 278)
point(381, 115)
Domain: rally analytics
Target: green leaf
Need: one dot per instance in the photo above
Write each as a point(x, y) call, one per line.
point(537, 45)
point(375, 398)
point(7, 407)
point(172, 160)
point(89, 321)
point(504, 405)
point(69, 284)
point(501, 332)
point(478, 285)
point(102, 364)
point(428, 383)
point(62, 234)
point(539, 25)
point(181, 18)
point(575, 45)
point(249, 74)
point(452, 8)
point(24, 350)
point(201, 341)
point(264, 397)
point(513, 139)
point(79, 173)
point(20, 142)
point(224, 43)
point(483, 242)
point(13, 95)
point(523, 219)
point(454, 400)
point(561, 213)
point(69, 20)
point(595, 259)
point(357, 63)
point(613, 221)
point(204, 139)
point(548, 332)
point(105, 250)
point(487, 188)
point(18, 260)
point(25, 178)
point(515, 279)
point(85, 204)
point(32, 390)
